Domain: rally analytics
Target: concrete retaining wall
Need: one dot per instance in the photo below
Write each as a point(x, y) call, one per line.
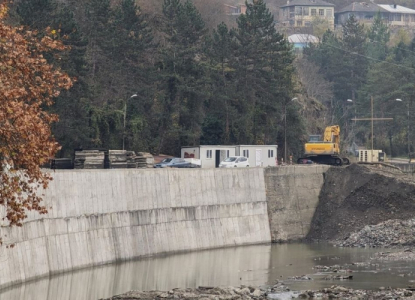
point(103, 216)
point(292, 195)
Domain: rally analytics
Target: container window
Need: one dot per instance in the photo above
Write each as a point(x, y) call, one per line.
point(208, 153)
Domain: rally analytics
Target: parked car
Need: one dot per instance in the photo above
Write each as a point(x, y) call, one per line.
point(234, 162)
point(305, 161)
point(173, 162)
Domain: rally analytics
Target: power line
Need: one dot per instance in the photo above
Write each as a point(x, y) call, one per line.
point(396, 47)
point(371, 58)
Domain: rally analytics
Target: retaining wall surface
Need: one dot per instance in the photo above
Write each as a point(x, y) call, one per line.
point(103, 216)
point(293, 196)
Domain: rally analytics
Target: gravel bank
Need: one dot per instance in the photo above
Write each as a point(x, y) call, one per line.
point(248, 293)
point(392, 233)
point(357, 196)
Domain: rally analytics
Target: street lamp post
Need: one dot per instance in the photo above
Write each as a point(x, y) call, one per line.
point(125, 117)
point(354, 124)
point(285, 129)
point(409, 148)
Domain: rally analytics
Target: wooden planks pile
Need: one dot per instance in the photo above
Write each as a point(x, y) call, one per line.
point(144, 160)
point(112, 159)
point(128, 159)
point(131, 164)
point(89, 159)
point(117, 159)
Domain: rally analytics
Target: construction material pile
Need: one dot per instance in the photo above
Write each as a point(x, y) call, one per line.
point(117, 159)
point(144, 160)
point(112, 159)
point(89, 159)
point(120, 159)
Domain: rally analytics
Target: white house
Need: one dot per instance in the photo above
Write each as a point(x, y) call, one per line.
point(212, 155)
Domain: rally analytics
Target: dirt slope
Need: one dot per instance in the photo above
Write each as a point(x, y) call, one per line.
point(358, 195)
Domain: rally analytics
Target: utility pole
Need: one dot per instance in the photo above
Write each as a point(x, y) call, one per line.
point(285, 128)
point(371, 104)
point(372, 119)
point(409, 147)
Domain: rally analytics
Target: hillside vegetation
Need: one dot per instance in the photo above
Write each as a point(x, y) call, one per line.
point(169, 73)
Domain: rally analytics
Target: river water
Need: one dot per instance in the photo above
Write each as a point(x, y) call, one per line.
point(250, 265)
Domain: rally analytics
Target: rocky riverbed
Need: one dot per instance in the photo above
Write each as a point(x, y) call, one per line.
point(254, 293)
point(396, 234)
point(392, 233)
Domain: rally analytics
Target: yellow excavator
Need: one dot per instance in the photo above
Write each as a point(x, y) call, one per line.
point(326, 151)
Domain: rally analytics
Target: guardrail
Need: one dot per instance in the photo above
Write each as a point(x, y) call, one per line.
point(406, 168)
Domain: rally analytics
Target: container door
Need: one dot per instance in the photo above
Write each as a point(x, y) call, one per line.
point(217, 158)
point(258, 157)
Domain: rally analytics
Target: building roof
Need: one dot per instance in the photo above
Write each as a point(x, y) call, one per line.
point(302, 38)
point(373, 7)
point(393, 8)
point(361, 7)
point(307, 3)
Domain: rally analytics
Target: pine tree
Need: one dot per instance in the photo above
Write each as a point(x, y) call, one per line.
point(72, 130)
point(263, 62)
point(220, 113)
point(183, 76)
point(36, 14)
point(355, 62)
point(131, 51)
point(378, 38)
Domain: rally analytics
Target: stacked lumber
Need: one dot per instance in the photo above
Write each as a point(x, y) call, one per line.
point(111, 159)
point(89, 159)
point(144, 160)
point(117, 159)
point(131, 163)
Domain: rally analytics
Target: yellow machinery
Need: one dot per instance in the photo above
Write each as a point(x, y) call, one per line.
point(326, 151)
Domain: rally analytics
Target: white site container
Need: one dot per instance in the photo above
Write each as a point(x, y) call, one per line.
point(372, 156)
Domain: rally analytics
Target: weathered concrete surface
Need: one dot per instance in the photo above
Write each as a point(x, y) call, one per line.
point(193, 269)
point(102, 216)
point(292, 196)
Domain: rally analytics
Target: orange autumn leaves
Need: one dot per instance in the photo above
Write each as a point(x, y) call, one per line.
point(28, 83)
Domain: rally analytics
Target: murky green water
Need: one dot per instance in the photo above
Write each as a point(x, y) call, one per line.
point(250, 265)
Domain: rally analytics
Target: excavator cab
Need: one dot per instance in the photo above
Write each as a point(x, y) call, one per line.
point(314, 138)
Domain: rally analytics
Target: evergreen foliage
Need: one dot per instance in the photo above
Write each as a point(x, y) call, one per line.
point(227, 86)
point(263, 75)
point(378, 38)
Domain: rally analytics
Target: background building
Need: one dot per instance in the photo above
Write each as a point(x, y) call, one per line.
point(301, 41)
point(302, 13)
point(394, 15)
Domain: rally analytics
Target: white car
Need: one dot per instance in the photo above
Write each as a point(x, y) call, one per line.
point(234, 162)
